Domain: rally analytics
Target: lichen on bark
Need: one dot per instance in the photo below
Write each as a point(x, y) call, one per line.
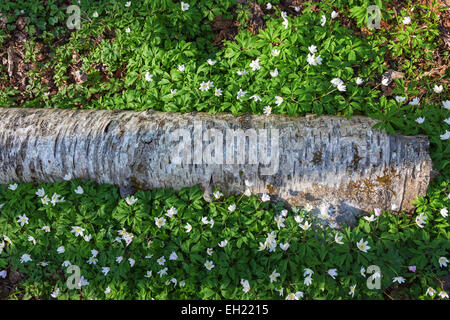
point(327, 159)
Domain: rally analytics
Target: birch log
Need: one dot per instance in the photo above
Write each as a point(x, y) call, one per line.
point(328, 162)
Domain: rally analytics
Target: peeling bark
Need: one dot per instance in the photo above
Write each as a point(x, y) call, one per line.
point(330, 162)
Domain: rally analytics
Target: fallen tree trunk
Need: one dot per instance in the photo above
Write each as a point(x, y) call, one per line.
point(326, 161)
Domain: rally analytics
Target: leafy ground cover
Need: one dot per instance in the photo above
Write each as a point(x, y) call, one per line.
point(293, 57)
point(165, 245)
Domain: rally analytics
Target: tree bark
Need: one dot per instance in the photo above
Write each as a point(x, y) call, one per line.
point(333, 163)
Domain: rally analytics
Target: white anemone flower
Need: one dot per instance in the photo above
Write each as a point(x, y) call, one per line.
point(161, 261)
point(438, 88)
point(333, 273)
point(148, 77)
point(23, 219)
point(274, 73)
point(204, 86)
point(420, 120)
point(55, 293)
point(363, 272)
point(446, 104)
point(305, 226)
point(13, 186)
point(148, 274)
point(131, 200)
point(160, 222)
point(421, 220)
point(163, 272)
point(105, 270)
point(32, 239)
point(245, 285)
point(92, 260)
point(362, 245)
point(352, 290)
point(313, 60)
point(443, 262)
point(294, 296)
point(66, 264)
point(371, 218)
point(308, 281)
point(171, 212)
point(274, 275)
point(255, 65)
point(338, 239)
point(400, 99)
point(25, 258)
point(184, 6)
point(445, 136)
point(45, 200)
point(430, 292)
point(398, 280)
point(241, 93)
point(173, 256)
point(223, 243)
point(78, 231)
point(79, 190)
point(414, 102)
point(278, 100)
point(40, 192)
point(308, 272)
point(209, 265)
